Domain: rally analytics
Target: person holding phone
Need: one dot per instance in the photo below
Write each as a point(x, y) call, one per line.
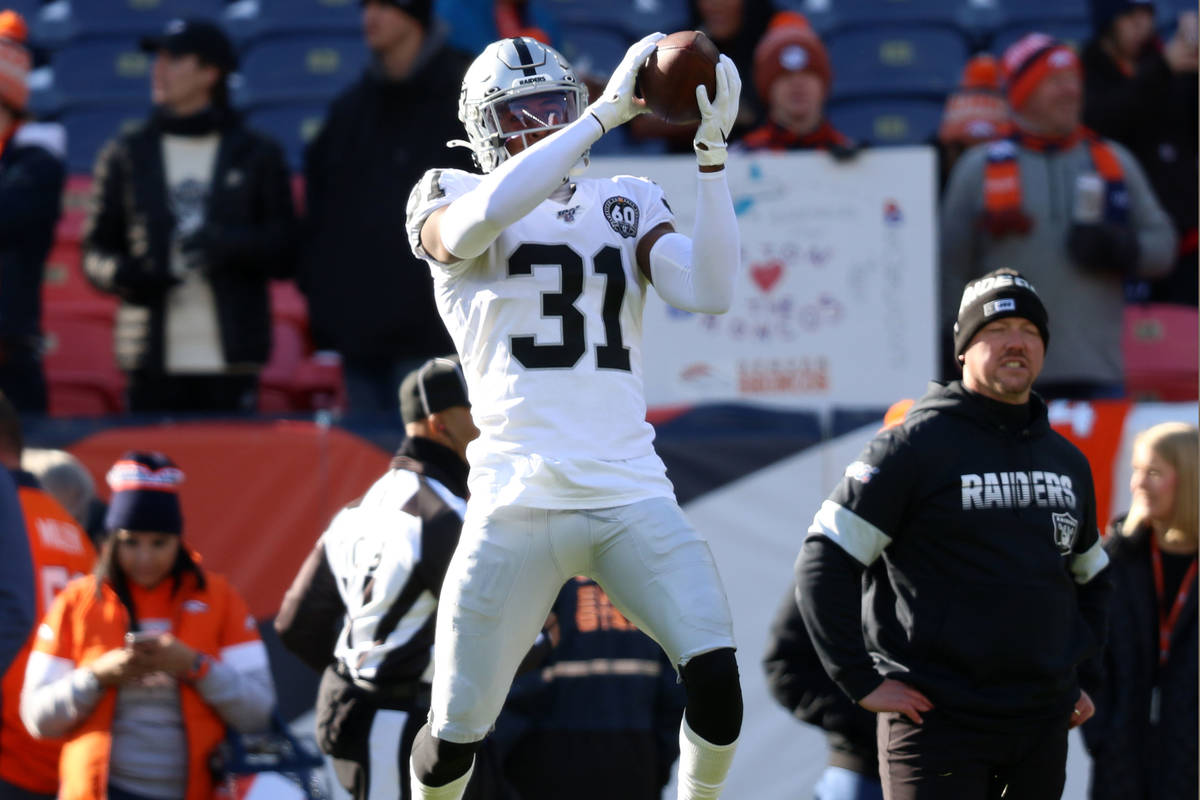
point(142, 666)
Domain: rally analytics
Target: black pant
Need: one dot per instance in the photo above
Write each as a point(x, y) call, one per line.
point(23, 381)
point(940, 760)
point(10, 791)
point(155, 391)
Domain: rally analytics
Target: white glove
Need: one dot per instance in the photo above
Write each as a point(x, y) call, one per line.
point(717, 116)
point(617, 105)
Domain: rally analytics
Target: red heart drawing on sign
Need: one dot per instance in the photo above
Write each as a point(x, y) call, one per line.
point(766, 275)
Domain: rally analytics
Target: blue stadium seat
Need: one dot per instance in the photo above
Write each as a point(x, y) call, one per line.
point(898, 57)
point(300, 67)
point(293, 125)
point(1075, 33)
point(860, 12)
point(252, 18)
point(1024, 10)
point(101, 69)
point(89, 128)
point(634, 18)
point(887, 120)
point(59, 21)
point(593, 50)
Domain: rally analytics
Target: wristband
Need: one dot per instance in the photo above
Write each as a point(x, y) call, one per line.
point(200, 667)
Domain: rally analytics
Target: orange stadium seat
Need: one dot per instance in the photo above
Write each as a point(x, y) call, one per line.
point(1162, 352)
point(296, 379)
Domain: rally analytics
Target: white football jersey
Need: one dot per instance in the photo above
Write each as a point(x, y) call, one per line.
point(548, 324)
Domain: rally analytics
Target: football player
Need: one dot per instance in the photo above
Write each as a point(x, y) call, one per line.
point(540, 276)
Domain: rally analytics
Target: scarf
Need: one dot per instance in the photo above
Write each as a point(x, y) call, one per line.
point(1003, 214)
point(773, 136)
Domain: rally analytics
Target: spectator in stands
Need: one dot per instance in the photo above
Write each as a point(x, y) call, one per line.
point(1143, 738)
point(369, 299)
point(374, 649)
point(60, 552)
point(191, 216)
point(800, 684)
point(1142, 94)
point(975, 113)
point(1072, 210)
point(601, 718)
point(143, 666)
point(31, 183)
point(68, 481)
point(793, 76)
point(736, 27)
point(17, 595)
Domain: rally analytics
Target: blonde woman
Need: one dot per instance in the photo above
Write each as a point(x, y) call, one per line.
point(1143, 738)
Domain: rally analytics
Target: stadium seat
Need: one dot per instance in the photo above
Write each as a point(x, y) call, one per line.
point(65, 289)
point(61, 21)
point(300, 67)
point(1025, 10)
point(89, 128)
point(101, 70)
point(868, 12)
point(81, 373)
point(633, 18)
point(904, 58)
point(295, 378)
point(293, 125)
point(76, 195)
point(1073, 32)
point(594, 50)
point(248, 19)
point(1161, 352)
point(887, 121)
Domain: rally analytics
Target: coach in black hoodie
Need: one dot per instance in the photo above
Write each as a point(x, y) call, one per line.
point(993, 590)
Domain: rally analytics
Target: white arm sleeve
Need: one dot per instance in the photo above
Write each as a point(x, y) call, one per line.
point(698, 274)
point(472, 222)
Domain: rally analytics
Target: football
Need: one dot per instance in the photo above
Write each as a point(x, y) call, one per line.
point(668, 80)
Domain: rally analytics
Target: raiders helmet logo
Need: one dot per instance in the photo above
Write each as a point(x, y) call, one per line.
point(1065, 529)
point(622, 214)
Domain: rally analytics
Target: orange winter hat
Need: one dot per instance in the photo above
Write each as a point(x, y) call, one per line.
point(15, 61)
point(976, 112)
point(790, 47)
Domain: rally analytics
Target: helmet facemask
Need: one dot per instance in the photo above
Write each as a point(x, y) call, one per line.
point(517, 87)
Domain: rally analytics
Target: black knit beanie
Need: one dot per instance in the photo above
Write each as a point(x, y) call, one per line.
point(420, 10)
point(1105, 11)
point(1001, 293)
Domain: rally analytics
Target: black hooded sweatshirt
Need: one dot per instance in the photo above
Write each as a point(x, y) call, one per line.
point(994, 589)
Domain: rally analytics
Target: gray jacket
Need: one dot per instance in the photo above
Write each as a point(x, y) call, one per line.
point(1085, 306)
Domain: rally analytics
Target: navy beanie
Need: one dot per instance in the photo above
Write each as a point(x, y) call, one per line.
point(1105, 11)
point(145, 494)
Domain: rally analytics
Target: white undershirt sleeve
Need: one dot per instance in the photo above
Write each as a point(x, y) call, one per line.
point(472, 222)
point(698, 274)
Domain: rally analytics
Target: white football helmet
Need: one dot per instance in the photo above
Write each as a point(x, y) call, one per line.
point(516, 87)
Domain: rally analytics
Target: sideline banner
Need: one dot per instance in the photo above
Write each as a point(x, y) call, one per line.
point(836, 304)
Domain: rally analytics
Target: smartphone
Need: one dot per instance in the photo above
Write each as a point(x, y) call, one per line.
point(137, 637)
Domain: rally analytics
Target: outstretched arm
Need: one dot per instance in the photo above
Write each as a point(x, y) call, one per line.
point(469, 225)
point(698, 273)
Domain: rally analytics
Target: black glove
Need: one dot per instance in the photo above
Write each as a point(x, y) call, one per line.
point(200, 249)
point(1104, 247)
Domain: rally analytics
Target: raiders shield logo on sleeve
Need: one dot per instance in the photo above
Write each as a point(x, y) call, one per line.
point(1065, 529)
point(622, 214)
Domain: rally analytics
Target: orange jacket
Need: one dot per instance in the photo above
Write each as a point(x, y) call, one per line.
point(61, 552)
point(82, 626)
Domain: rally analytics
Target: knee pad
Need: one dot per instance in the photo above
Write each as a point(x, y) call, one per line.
point(436, 762)
point(714, 696)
